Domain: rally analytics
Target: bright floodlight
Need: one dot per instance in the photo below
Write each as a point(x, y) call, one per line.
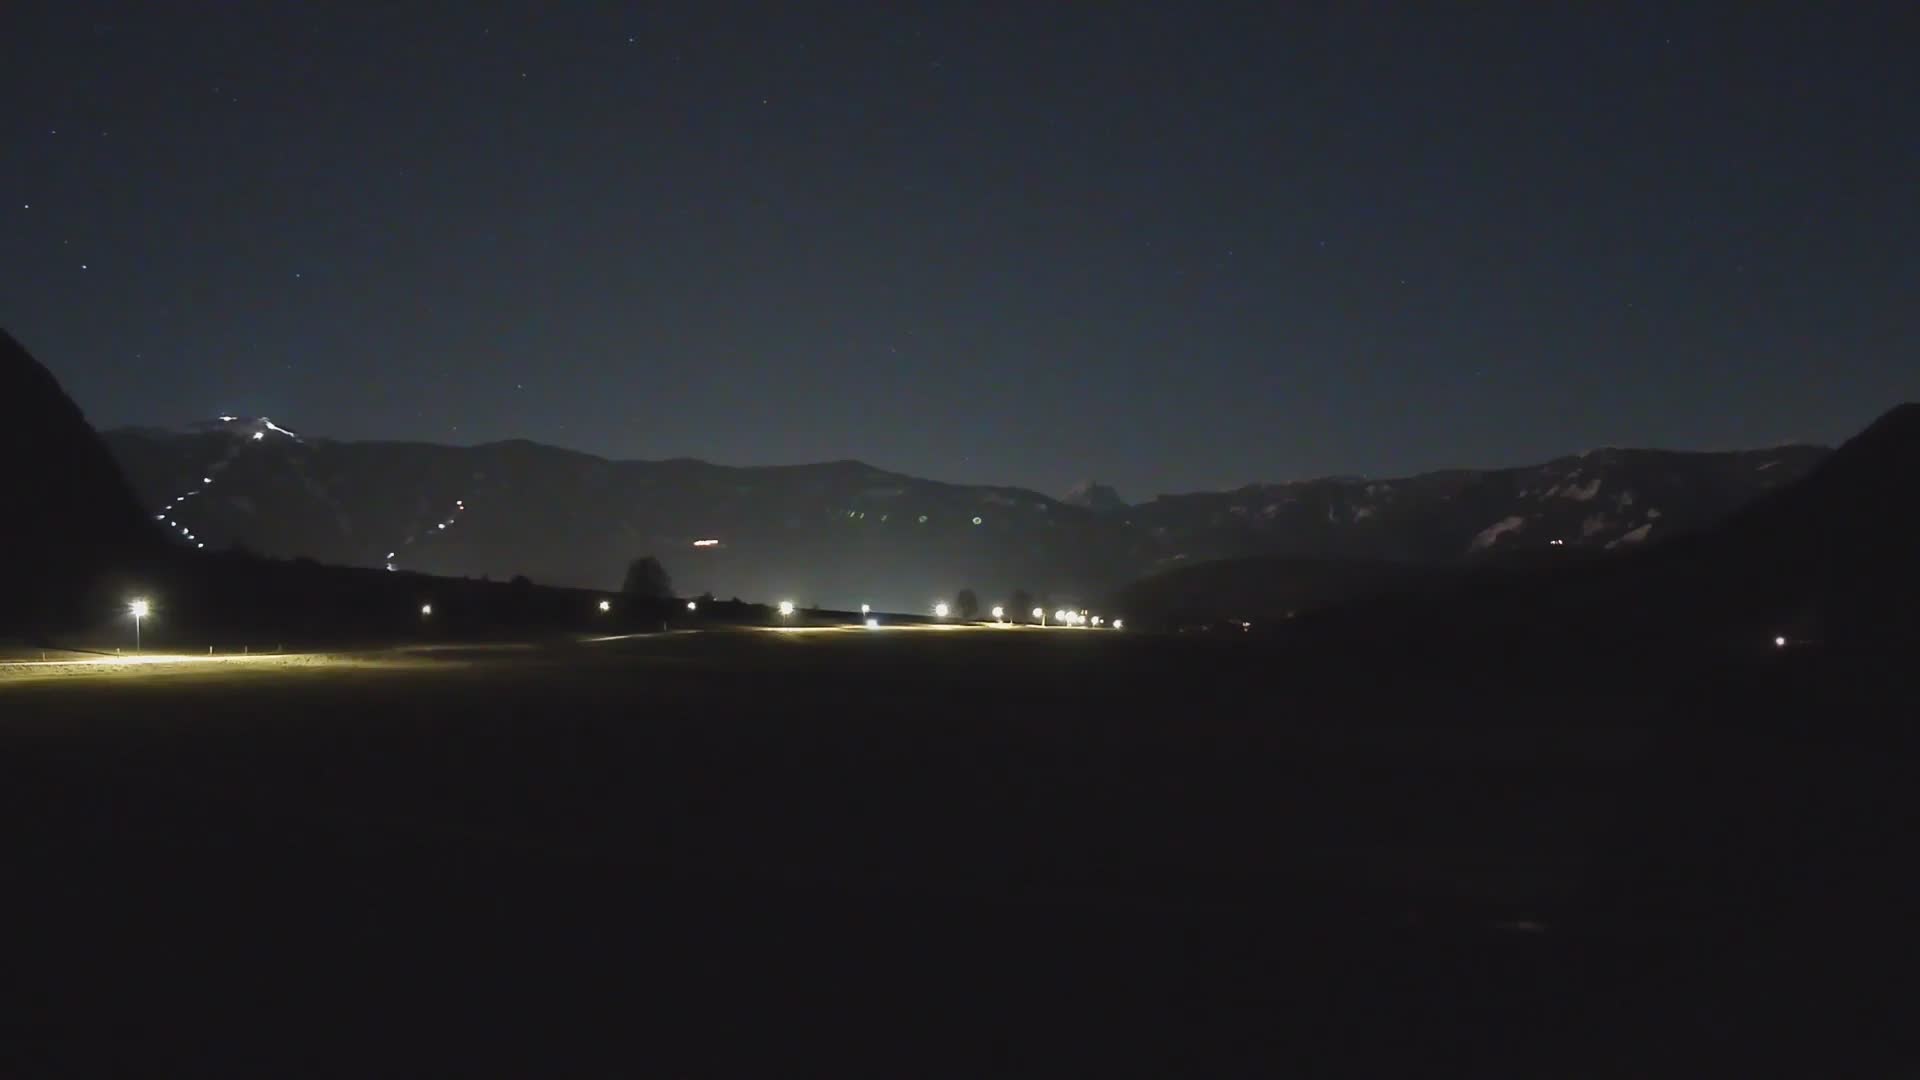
point(693, 605)
point(426, 609)
point(864, 608)
point(1780, 642)
point(999, 612)
point(786, 608)
point(606, 605)
point(940, 611)
point(138, 609)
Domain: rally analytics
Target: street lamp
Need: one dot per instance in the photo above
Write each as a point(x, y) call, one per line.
point(865, 609)
point(1040, 614)
point(693, 605)
point(1119, 624)
point(426, 610)
point(999, 614)
point(606, 606)
point(138, 609)
point(940, 610)
point(786, 609)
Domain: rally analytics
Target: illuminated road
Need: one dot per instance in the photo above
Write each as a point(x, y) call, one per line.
point(57, 664)
point(165, 663)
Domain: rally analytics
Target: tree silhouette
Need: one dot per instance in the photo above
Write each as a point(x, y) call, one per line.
point(967, 604)
point(1022, 603)
point(647, 578)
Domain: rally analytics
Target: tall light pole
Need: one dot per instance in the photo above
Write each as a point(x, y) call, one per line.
point(138, 609)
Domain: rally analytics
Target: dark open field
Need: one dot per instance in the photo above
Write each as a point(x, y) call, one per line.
point(957, 852)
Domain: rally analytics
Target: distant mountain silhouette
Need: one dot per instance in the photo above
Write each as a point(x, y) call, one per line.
point(1089, 495)
point(846, 532)
point(72, 523)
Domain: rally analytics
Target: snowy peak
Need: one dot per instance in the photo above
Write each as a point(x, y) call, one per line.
point(1091, 495)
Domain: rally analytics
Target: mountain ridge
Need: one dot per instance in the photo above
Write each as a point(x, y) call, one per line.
point(847, 531)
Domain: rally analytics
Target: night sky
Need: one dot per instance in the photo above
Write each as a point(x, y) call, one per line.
point(1169, 246)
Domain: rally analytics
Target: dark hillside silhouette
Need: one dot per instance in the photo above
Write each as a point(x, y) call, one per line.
point(1831, 558)
point(76, 547)
point(1828, 559)
point(72, 522)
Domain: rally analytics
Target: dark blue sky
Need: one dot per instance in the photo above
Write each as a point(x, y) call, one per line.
point(1170, 246)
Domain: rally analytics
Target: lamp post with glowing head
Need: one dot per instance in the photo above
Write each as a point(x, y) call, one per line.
point(1040, 615)
point(786, 609)
point(940, 610)
point(999, 614)
point(138, 609)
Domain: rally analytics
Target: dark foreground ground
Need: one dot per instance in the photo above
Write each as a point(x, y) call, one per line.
point(961, 853)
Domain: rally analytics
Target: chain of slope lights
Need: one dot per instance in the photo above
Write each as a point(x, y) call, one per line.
point(459, 507)
point(176, 505)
